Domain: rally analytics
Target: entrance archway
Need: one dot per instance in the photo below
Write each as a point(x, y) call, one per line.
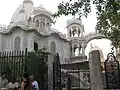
point(99, 44)
point(99, 41)
point(107, 71)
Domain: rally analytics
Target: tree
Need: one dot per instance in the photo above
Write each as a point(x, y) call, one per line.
point(37, 64)
point(14, 63)
point(107, 11)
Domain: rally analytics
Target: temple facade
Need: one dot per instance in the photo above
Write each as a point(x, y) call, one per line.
point(30, 27)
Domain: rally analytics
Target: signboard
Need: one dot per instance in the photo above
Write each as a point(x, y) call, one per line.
point(112, 72)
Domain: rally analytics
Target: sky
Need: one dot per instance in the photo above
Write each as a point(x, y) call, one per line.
point(8, 7)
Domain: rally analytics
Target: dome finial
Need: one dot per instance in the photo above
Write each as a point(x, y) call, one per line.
point(27, 1)
point(41, 5)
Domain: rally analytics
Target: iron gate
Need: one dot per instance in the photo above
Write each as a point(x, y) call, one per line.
point(74, 79)
point(57, 73)
point(15, 63)
point(78, 80)
point(112, 72)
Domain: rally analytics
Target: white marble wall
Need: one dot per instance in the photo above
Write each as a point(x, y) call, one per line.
point(63, 49)
point(27, 41)
point(1, 40)
point(8, 40)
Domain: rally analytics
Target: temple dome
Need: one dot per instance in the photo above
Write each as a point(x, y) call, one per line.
point(22, 12)
point(19, 15)
point(26, 10)
point(74, 20)
point(41, 10)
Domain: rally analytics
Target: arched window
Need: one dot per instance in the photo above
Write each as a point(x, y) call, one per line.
point(76, 50)
point(42, 25)
point(35, 46)
point(37, 23)
point(53, 47)
point(17, 41)
point(74, 31)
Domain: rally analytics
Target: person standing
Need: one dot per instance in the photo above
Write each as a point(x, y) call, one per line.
point(26, 85)
point(68, 82)
point(34, 83)
point(3, 81)
point(13, 84)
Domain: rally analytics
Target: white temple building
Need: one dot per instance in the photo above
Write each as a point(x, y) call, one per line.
point(30, 28)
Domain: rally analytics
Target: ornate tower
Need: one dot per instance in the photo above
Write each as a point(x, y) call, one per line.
point(75, 33)
point(75, 28)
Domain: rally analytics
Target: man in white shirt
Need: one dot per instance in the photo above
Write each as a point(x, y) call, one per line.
point(3, 81)
point(34, 83)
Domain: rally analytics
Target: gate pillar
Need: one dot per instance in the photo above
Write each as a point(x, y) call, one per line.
point(50, 73)
point(95, 70)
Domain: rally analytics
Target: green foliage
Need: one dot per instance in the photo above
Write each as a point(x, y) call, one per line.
point(108, 21)
point(37, 64)
point(81, 7)
point(108, 15)
point(13, 63)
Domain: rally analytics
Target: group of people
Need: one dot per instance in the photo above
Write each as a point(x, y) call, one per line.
point(28, 83)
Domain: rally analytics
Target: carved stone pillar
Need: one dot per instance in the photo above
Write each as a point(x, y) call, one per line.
point(68, 33)
point(72, 51)
point(80, 48)
point(83, 48)
point(83, 51)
